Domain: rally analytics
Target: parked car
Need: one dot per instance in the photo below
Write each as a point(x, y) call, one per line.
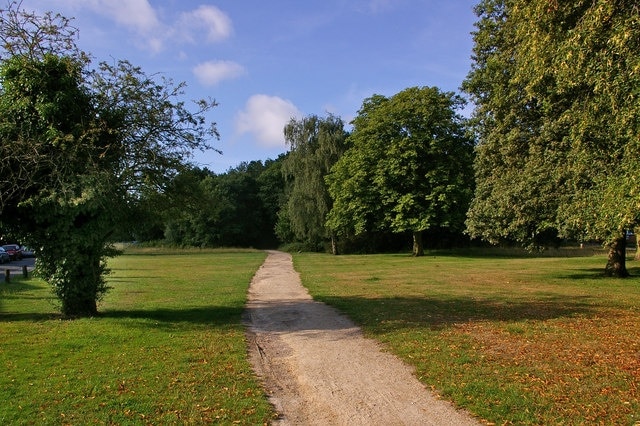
point(27, 252)
point(4, 256)
point(14, 250)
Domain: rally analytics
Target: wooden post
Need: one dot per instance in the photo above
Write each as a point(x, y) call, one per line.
point(25, 273)
point(7, 275)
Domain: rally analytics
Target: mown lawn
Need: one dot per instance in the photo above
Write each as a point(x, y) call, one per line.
point(167, 348)
point(514, 339)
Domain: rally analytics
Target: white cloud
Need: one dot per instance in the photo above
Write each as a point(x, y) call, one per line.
point(205, 24)
point(215, 24)
point(135, 14)
point(212, 72)
point(265, 117)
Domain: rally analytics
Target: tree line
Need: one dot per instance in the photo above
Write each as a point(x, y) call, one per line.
point(404, 171)
point(95, 155)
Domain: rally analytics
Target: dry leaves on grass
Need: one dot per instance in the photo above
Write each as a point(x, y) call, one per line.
point(583, 366)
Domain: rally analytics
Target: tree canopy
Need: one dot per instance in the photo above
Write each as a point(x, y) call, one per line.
point(555, 85)
point(315, 144)
point(79, 146)
point(408, 167)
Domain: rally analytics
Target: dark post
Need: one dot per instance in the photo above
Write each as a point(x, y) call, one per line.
point(25, 273)
point(7, 275)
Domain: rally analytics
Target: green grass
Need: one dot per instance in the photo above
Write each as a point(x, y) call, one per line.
point(167, 348)
point(513, 339)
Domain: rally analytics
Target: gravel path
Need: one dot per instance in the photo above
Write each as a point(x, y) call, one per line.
point(319, 369)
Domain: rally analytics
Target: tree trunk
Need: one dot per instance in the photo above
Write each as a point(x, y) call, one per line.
point(637, 241)
point(616, 263)
point(418, 248)
point(77, 277)
point(82, 287)
point(334, 245)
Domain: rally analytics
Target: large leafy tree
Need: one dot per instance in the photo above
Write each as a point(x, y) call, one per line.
point(556, 88)
point(47, 118)
point(81, 146)
point(315, 144)
point(408, 167)
point(518, 188)
point(28, 44)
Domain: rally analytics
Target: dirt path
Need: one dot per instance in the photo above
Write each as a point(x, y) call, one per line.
point(320, 370)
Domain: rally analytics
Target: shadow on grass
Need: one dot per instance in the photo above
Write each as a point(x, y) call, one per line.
point(585, 274)
point(213, 316)
point(22, 289)
point(392, 314)
point(516, 252)
point(381, 314)
point(132, 279)
point(30, 316)
point(17, 285)
point(598, 274)
point(206, 315)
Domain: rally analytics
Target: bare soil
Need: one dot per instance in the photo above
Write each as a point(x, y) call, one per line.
point(319, 369)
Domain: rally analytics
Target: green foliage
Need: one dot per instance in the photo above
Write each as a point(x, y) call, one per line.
point(246, 222)
point(153, 131)
point(234, 209)
point(61, 208)
point(580, 61)
point(190, 207)
point(512, 162)
point(555, 85)
point(408, 166)
point(79, 147)
point(315, 144)
point(271, 192)
point(283, 227)
point(47, 126)
point(71, 237)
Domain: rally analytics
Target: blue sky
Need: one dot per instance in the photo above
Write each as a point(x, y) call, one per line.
point(267, 61)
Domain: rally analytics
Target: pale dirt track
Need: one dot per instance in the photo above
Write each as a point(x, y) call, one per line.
point(319, 369)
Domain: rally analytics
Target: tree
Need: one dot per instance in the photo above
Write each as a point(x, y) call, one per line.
point(517, 191)
point(271, 192)
point(247, 223)
point(407, 169)
point(82, 146)
point(234, 209)
point(591, 48)
point(48, 120)
point(192, 207)
point(26, 39)
point(315, 144)
point(555, 84)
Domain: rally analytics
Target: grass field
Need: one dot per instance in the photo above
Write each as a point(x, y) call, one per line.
point(168, 347)
point(515, 340)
